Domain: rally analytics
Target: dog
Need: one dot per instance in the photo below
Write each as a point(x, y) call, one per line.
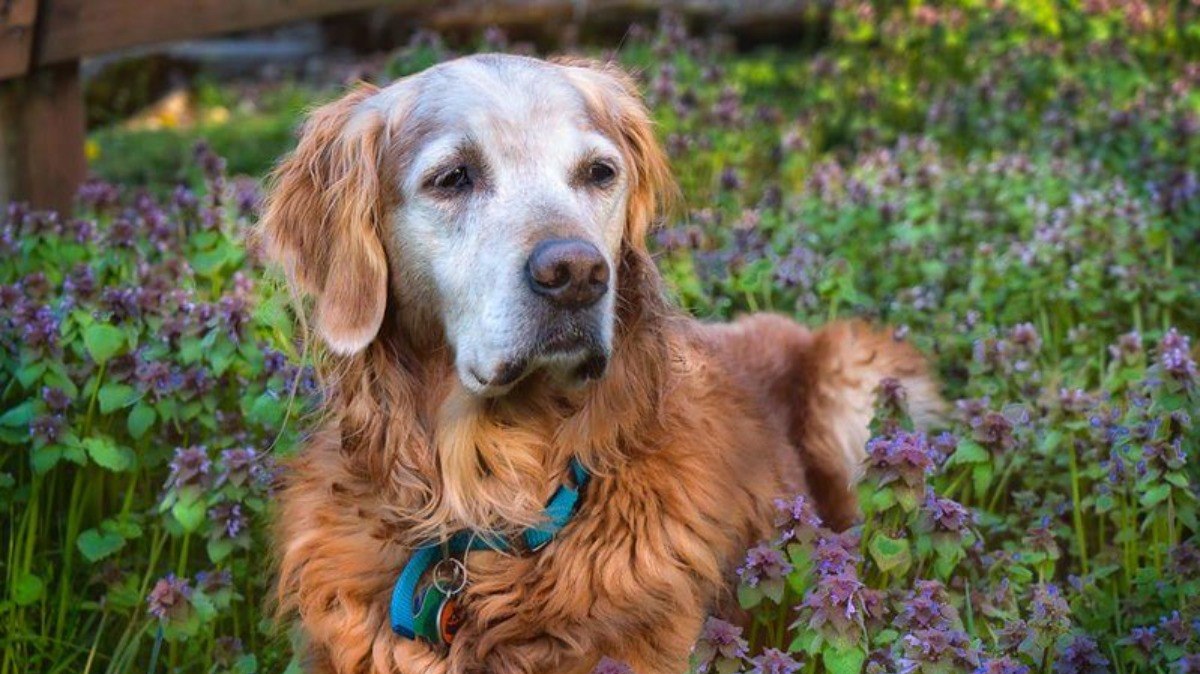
point(470, 246)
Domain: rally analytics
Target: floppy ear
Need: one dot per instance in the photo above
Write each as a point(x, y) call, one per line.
point(323, 216)
point(614, 101)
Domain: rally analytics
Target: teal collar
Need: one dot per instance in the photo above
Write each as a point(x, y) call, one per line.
point(430, 615)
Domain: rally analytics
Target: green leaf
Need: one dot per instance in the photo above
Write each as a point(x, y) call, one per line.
point(267, 410)
point(95, 545)
point(1156, 494)
point(806, 641)
point(28, 589)
point(219, 549)
point(773, 588)
point(107, 454)
point(141, 418)
point(189, 513)
point(247, 664)
point(968, 451)
point(45, 458)
point(1050, 441)
point(890, 553)
point(115, 396)
point(209, 262)
point(982, 474)
point(31, 373)
point(748, 597)
point(843, 660)
point(103, 341)
point(728, 665)
point(19, 416)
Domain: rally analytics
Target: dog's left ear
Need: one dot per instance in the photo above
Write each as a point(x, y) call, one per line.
point(323, 216)
point(614, 101)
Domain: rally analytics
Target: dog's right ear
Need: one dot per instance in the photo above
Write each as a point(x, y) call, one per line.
point(323, 217)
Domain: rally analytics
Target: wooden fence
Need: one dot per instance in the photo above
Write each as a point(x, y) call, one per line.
point(42, 121)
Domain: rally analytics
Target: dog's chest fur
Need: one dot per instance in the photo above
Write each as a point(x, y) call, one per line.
point(653, 543)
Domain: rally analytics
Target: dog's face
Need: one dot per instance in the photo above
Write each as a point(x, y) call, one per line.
point(495, 192)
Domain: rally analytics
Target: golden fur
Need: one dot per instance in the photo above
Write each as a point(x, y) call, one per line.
point(691, 435)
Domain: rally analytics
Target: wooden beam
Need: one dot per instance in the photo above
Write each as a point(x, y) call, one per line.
point(70, 29)
point(17, 21)
point(42, 135)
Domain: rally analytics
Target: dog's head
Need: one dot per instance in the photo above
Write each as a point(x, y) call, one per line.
point(490, 199)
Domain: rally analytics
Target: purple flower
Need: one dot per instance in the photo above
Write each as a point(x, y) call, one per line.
point(1011, 637)
point(994, 431)
point(274, 361)
point(189, 468)
point(1174, 355)
point(1003, 665)
point(210, 162)
point(610, 666)
point(233, 314)
point(247, 197)
point(169, 598)
point(1188, 664)
point(1050, 616)
point(47, 428)
point(1127, 348)
point(1176, 629)
point(1081, 656)
point(40, 331)
point(228, 520)
point(763, 562)
point(836, 553)
point(1143, 639)
point(946, 515)
point(1025, 338)
point(157, 377)
point(719, 640)
point(55, 398)
point(891, 401)
point(902, 457)
point(80, 283)
point(122, 233)
point(730, 182)
point(926, 607)
point(238, 466)
point(98, 195)
point(1185, 560)
point(214, 582)
point(227, 650)
point(796, 519)
point(938, 648)
point(123, 303)
point(774, 661)
point(833, 605)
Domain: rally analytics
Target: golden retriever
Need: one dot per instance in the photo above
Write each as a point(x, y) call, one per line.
point(472, 239)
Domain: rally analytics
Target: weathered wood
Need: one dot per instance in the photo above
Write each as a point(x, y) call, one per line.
point(736, 16)
point(42, 135)
point(17, 21)
point(70, 29)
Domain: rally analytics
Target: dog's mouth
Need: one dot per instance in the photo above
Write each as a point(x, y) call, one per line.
point(570, 356)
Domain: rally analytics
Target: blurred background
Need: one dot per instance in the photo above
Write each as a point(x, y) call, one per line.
point(1012, 185)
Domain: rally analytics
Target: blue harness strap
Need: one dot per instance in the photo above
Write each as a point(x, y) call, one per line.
point(407, 602)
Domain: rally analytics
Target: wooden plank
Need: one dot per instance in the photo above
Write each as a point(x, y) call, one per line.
point(17, 21)
point(42, 135)
point(71, 29)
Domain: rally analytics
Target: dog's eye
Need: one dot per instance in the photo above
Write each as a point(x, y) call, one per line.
point(456, 179)
point(601, 173)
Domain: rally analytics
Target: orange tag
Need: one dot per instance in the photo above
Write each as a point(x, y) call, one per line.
point(449, 620)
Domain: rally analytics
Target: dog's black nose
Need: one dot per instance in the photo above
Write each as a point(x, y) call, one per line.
point(569, 272)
